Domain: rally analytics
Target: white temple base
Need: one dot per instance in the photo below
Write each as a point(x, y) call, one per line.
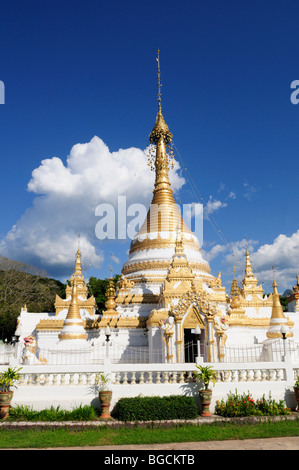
point(75, 351)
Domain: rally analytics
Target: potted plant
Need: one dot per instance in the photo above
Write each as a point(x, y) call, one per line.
point(105, 395)
point(206, 375)
point(7, 379)
point(296, 390)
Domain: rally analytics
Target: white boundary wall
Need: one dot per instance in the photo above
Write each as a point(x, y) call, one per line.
point(42, 386)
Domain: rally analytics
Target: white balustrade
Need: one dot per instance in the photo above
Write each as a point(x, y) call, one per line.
point(154, 374)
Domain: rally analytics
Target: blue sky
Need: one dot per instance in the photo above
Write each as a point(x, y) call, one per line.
point(74, 70)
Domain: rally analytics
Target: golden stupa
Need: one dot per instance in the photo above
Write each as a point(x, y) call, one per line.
point(166, 275)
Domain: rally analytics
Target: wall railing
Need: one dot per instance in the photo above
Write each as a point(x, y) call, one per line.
point(124, 374)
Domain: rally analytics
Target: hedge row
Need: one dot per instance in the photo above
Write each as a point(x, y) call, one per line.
point(156, 408)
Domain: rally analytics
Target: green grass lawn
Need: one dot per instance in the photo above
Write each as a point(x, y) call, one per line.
point(100, 436)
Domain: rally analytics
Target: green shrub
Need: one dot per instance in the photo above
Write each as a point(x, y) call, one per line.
point(26, 413)
point(238, 405)
point(156, 408)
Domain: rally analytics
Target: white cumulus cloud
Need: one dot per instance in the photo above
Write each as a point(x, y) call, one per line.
point(282, 254)
point(67, 195)
point(213, 205)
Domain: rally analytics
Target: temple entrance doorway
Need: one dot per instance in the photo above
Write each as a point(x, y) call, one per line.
point(191, 344)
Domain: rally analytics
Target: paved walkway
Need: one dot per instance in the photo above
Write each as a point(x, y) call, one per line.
point(277, 443)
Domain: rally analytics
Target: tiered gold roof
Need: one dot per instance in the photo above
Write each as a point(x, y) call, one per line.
point(250, 282)
point(249, 295)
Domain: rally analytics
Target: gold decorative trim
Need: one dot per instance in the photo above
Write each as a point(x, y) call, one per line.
point(153, 265)
point(73, 336)
point(156, 316)
point(159, 242)
point(277, 334)
point(137, 299)
point(240, 320)
point(53, 325)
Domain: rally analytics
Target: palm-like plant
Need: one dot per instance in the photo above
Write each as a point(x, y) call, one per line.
point(205, 374)
point(8, 377)
point(104, 381)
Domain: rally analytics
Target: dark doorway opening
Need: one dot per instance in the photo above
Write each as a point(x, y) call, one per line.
point(190, 342)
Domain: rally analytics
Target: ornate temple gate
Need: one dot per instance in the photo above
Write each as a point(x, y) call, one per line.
point(184, 326)
point(194, 309)
point(189, 324)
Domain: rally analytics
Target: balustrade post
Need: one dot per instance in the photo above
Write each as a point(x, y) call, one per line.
point(133, 378)
point(141, 381)
point(240, 375)
point(255, 375)
point(80, 379)
point(271, 374)
point(234, 376)
point(226, 375)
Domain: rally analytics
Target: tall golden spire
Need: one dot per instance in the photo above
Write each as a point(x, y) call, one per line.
point(164, 215)
point(161, 138)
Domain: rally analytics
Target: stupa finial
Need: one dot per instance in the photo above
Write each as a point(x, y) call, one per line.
point(159, 79)
point(78, 267)
point(160, 129)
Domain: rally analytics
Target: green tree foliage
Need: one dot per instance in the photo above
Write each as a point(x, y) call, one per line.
point(21, 285)
point(284, 303)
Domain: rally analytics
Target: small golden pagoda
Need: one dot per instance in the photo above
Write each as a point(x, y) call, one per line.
point(73, 327)
point(249, 289)
point(278, 318)
point(84, 302)
point(235, 298)
point(248, 305)
point(110, 304)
